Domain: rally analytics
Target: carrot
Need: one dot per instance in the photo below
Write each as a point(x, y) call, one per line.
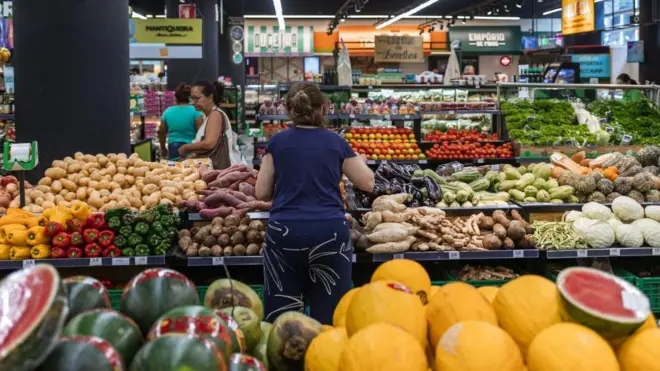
point(579, 156)
point(561, 160)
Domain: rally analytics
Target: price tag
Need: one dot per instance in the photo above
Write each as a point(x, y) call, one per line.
point(140, 260)
point(609, 129)
point(452, 112)
point(615, 252)
point(28, 263)
point(495, 167)
point(398, 256)
point(95, 262)
point(655, 251)
point(352, 116)
point(531, 118)
point(454, 255)
point(582, 253)
point(626, 139)
point(121, 261)
point(217, 260)
point(406, 117)
point(423, 162)
point(480, 160)
point(371, 162)
point(518, 254)
point(568, 143)
point(383, 162)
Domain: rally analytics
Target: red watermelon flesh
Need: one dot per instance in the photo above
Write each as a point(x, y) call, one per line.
point(33, 308)
point(83, 353)
point(85, 293)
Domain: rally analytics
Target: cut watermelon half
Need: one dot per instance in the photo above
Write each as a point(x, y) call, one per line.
point(601, 301)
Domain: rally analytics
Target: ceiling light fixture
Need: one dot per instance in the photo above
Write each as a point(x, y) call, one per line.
point(490, 11)
point(552, 11)
point(280, 15)
point(519, 4)
point(138, 15)
point(405, 14)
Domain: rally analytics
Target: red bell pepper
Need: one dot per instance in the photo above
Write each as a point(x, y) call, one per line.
point(77, 239)
point(106, 238)
point(74, 225)
point(62, 240)
point(53, 228)
point(93, 250)
point(91, 235)
point(57, 252)
point(111, 251)
point(74, 252)
point(96, 221)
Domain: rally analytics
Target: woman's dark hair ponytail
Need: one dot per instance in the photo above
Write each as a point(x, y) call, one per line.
point(208, 88)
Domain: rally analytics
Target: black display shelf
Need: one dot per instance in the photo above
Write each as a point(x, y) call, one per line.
point(455, 255)
point(483, 88)
point(461, 112)
point(85, 262)
point(325, 88)
point(224, 260)
point(613, 252)
point(7, 116)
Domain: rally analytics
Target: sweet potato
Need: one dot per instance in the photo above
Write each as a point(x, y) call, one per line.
point(222, 211)
point(492, 242)
point(499, 216)
point(388, 235)
point(240, 195)
point(255, 205)
point(251, 181)
point(192, 205)
point(499, 231)
point(234, 186)
point(246, 188)
point(228, 179)
point(221, 198)
point(392, 247)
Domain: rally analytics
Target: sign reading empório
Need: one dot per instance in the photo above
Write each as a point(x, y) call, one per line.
point(165, 31)
point(408, 49)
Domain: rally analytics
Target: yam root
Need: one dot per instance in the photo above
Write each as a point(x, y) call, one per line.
point(372, 219)
point(492, 242)
point(516, 216)
point(516, 230)
point(388, 235)
point(499, 216)
point(486, 222)
point(392, 247)
point(508, 244)
point(499, 231)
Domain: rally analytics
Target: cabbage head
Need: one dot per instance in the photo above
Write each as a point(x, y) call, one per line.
point(627, 209)
point(651, 231)
point(597, 234)
point(596, 211)
point(629, 235)
point(653, 212)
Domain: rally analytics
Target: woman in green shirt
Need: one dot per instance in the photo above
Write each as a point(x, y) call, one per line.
point(629, 95)
point(179, 124)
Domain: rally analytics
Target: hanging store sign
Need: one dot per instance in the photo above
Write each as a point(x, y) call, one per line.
point(488, 40)
point(577, 16)
point(165, 31)
point(268, 41)
point(402, 49)
point(7, 9)
point(593, 66)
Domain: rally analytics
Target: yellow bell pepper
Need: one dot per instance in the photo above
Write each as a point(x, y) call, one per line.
point(80, 210)
point(4, 251)
point(40, 252)
point(13, 219)
point(17, 237)
point(37, 236)
point(4, 231)
point(36, 221)
point(59, 215)
point(20, 253)
point(17, 211)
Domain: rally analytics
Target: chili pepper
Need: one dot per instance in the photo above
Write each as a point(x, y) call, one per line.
point(37, 236)
point(90, 235)
point(74, 225)
point(142, 250)
point(153, 240)
point(80, 210)
point(62, 240)
point(74, 252)
point(127, 252)
point(120, 241)
point(111, 251)
point(129, 218)
point(106, 238)
point(77, 239)
point(134, 239)
point(96, 221)
point(114, 223)
point(19, 253)
point(108, 284)
point(57, 252)
point(157, 227)
point(40, 252)
point(93, 250)
point(142, 228)
point(126, 231)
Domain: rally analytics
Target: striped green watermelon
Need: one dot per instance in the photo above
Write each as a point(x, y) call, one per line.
point(195, 320)
point(85, 293)
point(33, 313)
point(237, 338)
point(226, 293)
point(289, 339)
point(83, 353)
point(607, 304)
point(179, 353)
point(242, 362)
point(248, 322)
point(153, 293)
point(117, 329)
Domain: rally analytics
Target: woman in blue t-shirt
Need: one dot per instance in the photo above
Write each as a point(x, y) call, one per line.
point(308, 245)
point(179, 124)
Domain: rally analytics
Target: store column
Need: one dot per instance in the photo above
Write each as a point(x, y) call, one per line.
point(72, 83)
point(232, 58)
point(192, 70)
point(649, 33)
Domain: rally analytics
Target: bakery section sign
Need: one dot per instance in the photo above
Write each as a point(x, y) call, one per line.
point(488, 40)
point(401, 49)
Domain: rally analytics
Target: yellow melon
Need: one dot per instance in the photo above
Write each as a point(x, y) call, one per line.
point(390, 302)
point(408, 272)
point(456, 302)
point(650, 324)
point(474, 345)
point(383, 347)
point(526, 306)
point(570, 347)
point(641, 352)
point(324, 352)
point(434, 290)
point(489, 292)
point(339, 316)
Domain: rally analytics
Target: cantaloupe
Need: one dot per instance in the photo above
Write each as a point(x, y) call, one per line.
point(650, 324)
point(456, 302)
point(383, 347)
point(570, 347)
point(474, 345)
point(641, 352)
point(526, 306)
point(339, 316)
point(389, 302)
point(325, 350)
point(489, 292)
point(434, 290)
point(408, 272)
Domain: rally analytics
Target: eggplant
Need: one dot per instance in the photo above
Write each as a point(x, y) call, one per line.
point(417, 181)
point(434, 190)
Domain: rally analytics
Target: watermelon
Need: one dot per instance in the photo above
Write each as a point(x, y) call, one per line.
point(260, 351)
point(601, 301)
point(237, 338)
point(85, 293)
point(83, 353)
point(195, 320)
point(225, 293)
point(117, 329)
point(242, 362)
point(155, 291)
point(289, 339)
point(33, 312)
point(248, 323)
point(179, 353)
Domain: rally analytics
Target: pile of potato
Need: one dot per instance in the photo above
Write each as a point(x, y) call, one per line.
point(111, 181)
point(230, 236)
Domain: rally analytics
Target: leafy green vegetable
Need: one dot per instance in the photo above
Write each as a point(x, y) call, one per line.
point(640, 119)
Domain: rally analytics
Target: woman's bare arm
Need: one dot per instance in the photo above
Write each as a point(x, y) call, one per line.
point(198, 122)
point(211, 136)
point(358, 173)
point(162, 136)
point(266, 179)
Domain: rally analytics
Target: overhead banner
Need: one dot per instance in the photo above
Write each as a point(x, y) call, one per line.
point(165, 31)
point(577, 16)
point(488, 40)
point(265, 41)
point(401, 49)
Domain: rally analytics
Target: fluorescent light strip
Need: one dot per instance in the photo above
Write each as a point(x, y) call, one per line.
point(495, 18)
point(138, 15)
point(406, 14)
point(552, 11)
point(260, 16)
point(279, 13)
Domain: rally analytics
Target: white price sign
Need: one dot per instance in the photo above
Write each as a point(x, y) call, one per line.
point(28, 263)
point(121, 261)
point(518, 254)
point(582, 253)
point(655, 251)
point(399, 256)
point(217, 261)
point(95, 262)
point(140, 260)
point(454, 255)
point(354, 258)
point(615, 252)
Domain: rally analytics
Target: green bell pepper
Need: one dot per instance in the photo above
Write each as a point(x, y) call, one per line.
point(148, 216)
point(117, 212)
point(120, 241)
point(142, 228)
point(157, 227)
point(134, 239)
point(162, 248)
point(126, 231)
point(153, 240)
point(166, 220)
point(142, 250)
point(127, 251)
point(114, 223)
